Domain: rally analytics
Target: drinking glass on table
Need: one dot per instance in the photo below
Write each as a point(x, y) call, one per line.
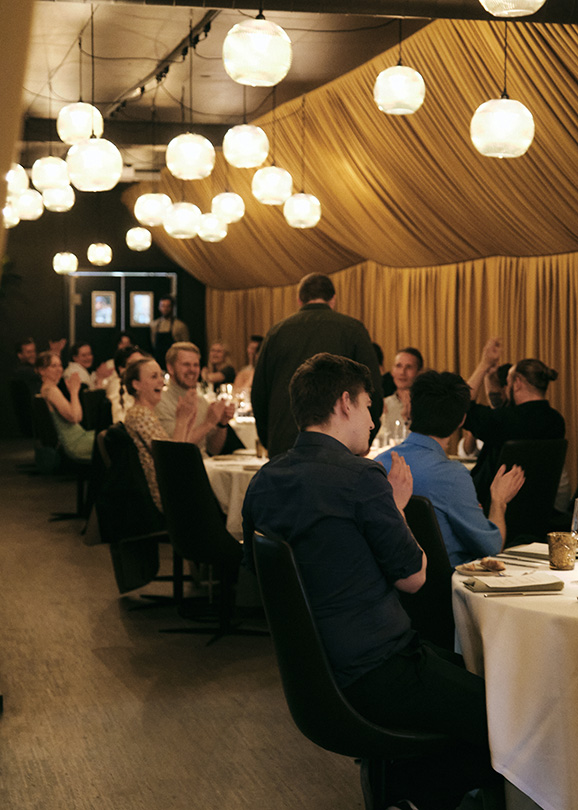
point(225, 393)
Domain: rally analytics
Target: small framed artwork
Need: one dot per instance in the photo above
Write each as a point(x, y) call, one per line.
point(103, 308)
point(141, 308)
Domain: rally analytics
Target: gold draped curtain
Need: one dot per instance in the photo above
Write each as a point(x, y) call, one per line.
point(429, 243)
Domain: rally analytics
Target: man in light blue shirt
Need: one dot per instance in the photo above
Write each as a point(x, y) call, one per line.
point(439, 403)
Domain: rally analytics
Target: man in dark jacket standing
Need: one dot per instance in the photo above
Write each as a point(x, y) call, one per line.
point(315, 328)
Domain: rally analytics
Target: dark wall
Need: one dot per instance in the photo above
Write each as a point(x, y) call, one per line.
point(33, 298)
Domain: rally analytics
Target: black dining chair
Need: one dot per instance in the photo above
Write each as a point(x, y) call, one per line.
point(197, 530)
point(50, 457)
point(317, 705)
point(430, 608)
point(129, 521)
point(531, 512)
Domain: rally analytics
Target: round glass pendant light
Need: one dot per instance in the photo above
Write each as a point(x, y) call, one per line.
point(10, 216)
point(17, 179)
point(228, 206)
point(190, 157)
point(138, 239)
point(257, 53)
point(50, 172)
point(78, 122)
point(150, 209)
point(212, 228)
point(272, 185)
point(58, 199)
point(512, 8)
point(399, 90)
point(182, 220)
point(65, 263)
point(302, 210)
point(94, 165)
point(502, 128)
point(99, 253)
point(245, 146)
point(29, 205)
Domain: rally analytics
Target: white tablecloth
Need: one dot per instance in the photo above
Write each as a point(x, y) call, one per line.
point(527, 650)
point(229, 477)
point(244, 427)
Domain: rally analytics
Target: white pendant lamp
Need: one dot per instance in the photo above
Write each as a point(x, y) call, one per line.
point(228, 206)
point(65, 263)
point(302, 210)
point(138, 239)
point(17, 179)
point(502, 128)
point(50, 172)
point(78, 122)
point(272, 185)
point(257, 53)
point(99, 253)
point(10, 216)
point(58, 199)
point(399, 90)
point(94, 165)
point(245, 146)
point(150, 209)
point(212, 228)
point(182, 220)
point(512, 8)
point(190, 157)
point(29, 205)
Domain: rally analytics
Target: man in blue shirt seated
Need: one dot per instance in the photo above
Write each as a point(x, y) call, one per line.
point(439, 403)
point(342, 516)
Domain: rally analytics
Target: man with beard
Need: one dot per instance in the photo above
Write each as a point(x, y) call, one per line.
point(183, 362)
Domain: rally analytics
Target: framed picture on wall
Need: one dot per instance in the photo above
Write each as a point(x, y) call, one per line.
point(141, 308)
point(103, 308)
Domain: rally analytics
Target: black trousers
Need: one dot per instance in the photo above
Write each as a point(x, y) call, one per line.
point(428, 689)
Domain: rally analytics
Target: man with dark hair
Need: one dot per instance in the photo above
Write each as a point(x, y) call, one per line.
point(342, 516)
point(528, 416)
point(316, 327)
point(439, 403)
point(167, 329)
point(407, 365)
point(24, 371)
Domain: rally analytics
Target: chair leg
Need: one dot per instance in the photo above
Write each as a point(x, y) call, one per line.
point(225, 609)
point(178, 578)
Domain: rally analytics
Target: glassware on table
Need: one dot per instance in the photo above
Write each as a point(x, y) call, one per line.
point(574, 526)
point(225, 393)
point(562, 550)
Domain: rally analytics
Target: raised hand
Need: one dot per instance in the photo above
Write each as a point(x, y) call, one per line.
point(401, 480)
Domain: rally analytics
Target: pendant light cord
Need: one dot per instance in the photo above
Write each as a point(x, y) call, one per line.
point(400, 38)
point(303, 144)
point(504, 91)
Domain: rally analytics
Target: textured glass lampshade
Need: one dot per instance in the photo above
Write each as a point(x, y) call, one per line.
point(272, 185)
point(65, 263)
point(502, 128)
point(245, 146)
point(399, 90)
point(190, 157)
point(138, 239)
point(50, 172)
point(10, 216)
point(257, 53)
point(182, 220)
point(150, 209)
point(512, 8)
point(29, 204)
point(212, 228)
point(78, 122)
point(302, 211)
point(17, 179)
point(99, 253)
point(59, 199)
point(94, 165)
point(228, 206)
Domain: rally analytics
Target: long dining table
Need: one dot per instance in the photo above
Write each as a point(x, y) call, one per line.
point(526, 648)
point(229, 477)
